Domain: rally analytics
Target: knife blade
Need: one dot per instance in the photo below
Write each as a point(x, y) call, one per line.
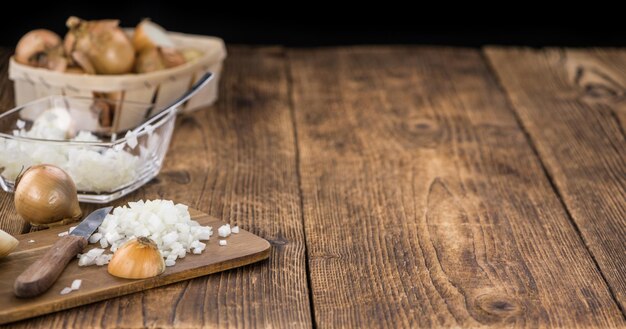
point(40, 275)
point(91, 223)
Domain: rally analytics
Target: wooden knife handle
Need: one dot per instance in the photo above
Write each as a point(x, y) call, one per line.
point(40, 275)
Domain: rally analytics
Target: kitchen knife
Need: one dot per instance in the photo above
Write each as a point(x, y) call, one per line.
point(40, 275)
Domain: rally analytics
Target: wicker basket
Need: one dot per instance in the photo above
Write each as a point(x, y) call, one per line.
point(158, 88)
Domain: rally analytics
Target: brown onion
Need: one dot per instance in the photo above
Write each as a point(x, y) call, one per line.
point(103, 42)
point(45, 194)
point(41, 48)
point(191, 54)
point(150, 35)
point(172, 57)
point(75, 70)
point(149, 60)
point(7, 243)
point(137, 259)
point(83, 62)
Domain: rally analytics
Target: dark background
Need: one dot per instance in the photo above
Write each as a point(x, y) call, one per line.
point(302, 24)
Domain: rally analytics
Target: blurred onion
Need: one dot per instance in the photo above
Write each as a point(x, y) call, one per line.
point(103, 43)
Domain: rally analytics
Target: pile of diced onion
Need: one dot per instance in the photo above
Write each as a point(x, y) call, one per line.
point(89, 166)
point(169, 225)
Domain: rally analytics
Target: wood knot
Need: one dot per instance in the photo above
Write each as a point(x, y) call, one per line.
point(497, 307)
point(422, 126)
point(279, 241)
point(596, 83)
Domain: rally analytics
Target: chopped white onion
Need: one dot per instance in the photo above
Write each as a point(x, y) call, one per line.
point(72, 229)
point(224, 230)
point(223, 242)
point(235, 229)
point(169, 225)
point(149, 129)
point(103, 259)
point(131, 139)
point(76, 284)
point(31, 241)
point(91, 257)
point(66, 291)
point(63, 233)
point(95, 237)
point(89, 166)
point(95, 252)
point(86, 261)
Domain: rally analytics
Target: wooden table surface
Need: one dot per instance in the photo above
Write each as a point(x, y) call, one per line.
point(399, 187)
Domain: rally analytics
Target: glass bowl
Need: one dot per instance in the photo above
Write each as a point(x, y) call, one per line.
point(70, 132)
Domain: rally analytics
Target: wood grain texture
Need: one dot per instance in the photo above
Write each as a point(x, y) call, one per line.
point(235, 161)
point(573, 105)
point(424, 204)
point(9, 219)
point(242, 249)
point(40, 275)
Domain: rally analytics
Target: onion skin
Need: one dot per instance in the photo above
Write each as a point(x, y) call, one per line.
point(75, 70)
point(45, 194)
point(104, 44)
point(149, 60)
point(155, 59)
point(141, 40)
point(55, 61)
point(191, 54)
point(83, 62)
point(137, 259)
point(112, 53)
point(41, 48)
point(7, 243)
point(172, 57)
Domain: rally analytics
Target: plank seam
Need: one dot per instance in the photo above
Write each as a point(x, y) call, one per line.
point(491, 69)
point(292, 108)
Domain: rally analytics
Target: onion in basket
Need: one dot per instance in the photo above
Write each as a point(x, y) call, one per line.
point(83, 62)
point(149, 60)
point(151, 35)
point(103, 44)
point(155, 59)
point(172, 57)
point(41, 48)
point(156, 51)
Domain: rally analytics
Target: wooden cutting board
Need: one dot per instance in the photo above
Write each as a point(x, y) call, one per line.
point(242, 249)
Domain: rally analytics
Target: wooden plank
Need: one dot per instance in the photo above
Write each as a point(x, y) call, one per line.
point(573, 105)
point(9, 221)
point(243, 248)
point(235, 161)
point(423, 203)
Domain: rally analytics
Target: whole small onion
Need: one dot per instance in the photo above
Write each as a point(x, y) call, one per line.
point(41, 48)
point(155, 59)
point(172, 57)
point(103, 43)
point(45, 194)
point(149, 60)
